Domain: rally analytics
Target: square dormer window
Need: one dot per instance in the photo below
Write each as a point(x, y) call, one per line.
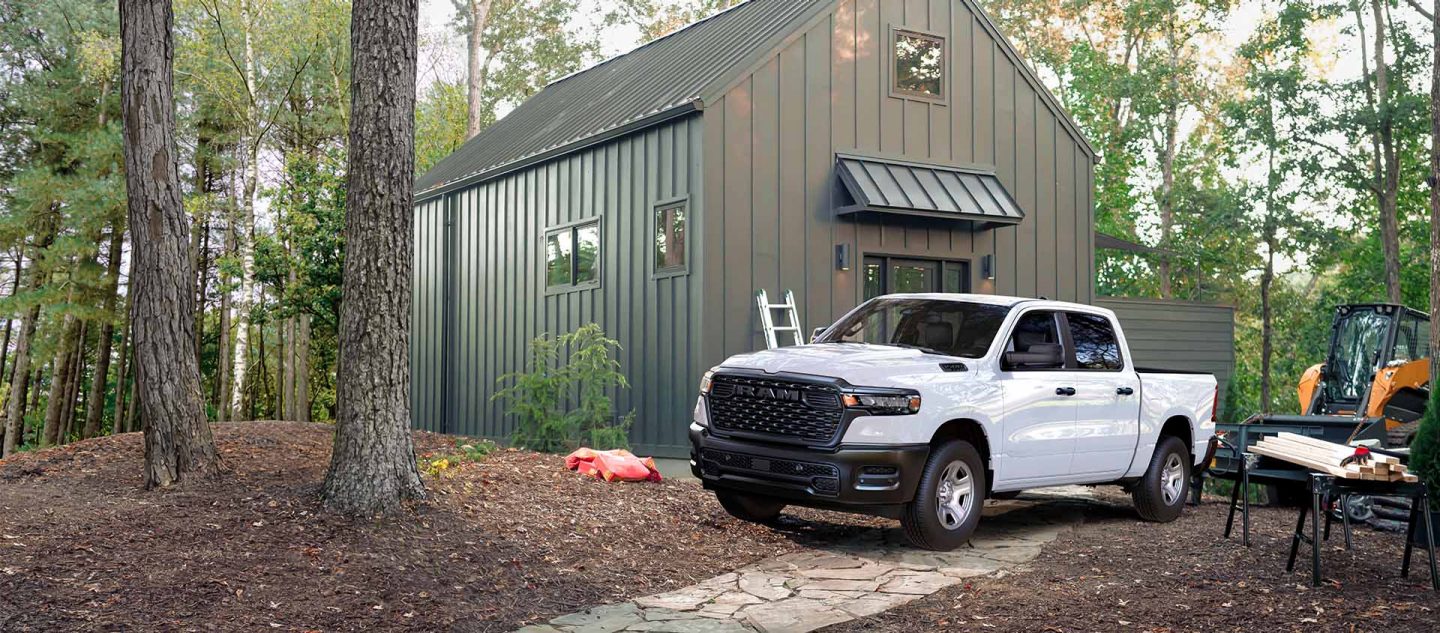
point(919, 69)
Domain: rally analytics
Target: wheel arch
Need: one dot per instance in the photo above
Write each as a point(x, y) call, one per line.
point(1179, 426)
point(972, 431)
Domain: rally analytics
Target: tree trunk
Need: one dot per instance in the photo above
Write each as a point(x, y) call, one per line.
point(20, 384)
point(10, 322)
point(72, 388)
point(223, 382)
point(302, 369)
point(1435, 200)
point(479, 19)
point(372, 467)
point(178, 441)
point(60, 384)
point(95, 410)
point(1390, 185)
point(245, 236)
point(122, 381)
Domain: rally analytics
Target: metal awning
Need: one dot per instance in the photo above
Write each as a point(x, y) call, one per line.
point(889, 186)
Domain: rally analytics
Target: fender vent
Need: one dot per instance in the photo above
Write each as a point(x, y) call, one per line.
point(953, 367)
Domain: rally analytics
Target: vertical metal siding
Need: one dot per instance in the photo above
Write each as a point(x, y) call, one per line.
point(499, 304)
point(1178, 335)
point(774, 134)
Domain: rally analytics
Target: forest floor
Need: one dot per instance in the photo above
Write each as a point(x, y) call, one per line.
point(1115, 573)
point(516, 539)
point(502, 542)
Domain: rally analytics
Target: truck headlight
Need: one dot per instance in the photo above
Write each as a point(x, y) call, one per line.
point(883, 405)
point(707, 381)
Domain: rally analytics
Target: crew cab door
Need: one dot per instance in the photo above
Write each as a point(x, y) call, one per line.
point(1039, 420)
point(1107, 397)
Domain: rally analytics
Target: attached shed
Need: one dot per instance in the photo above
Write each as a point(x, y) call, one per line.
point(839, 149)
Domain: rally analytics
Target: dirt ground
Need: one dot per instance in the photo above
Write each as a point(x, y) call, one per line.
point(1115, 573)
point(501, 543)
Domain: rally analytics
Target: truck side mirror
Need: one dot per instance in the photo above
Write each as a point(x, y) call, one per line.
point(815, 334)
point(1039, 356)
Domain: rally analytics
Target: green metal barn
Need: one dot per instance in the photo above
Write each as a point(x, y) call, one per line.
point(838, 149)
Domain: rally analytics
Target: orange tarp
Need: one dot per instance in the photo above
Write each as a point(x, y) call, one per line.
point(612, 465)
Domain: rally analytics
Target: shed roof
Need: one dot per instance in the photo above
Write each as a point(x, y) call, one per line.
point(666, 78)
point(667, 75)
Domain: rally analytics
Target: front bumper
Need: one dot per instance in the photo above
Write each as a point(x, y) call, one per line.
point(865, 479)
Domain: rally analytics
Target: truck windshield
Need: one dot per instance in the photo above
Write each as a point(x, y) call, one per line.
point(952, 328)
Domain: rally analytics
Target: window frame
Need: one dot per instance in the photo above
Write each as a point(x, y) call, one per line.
point(573, 228)
point(1062, 332)
point(896, 32)
point(1072, 349)
point(683, 269)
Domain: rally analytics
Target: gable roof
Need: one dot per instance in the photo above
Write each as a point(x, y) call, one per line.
point(665, 76)
point(664, 79)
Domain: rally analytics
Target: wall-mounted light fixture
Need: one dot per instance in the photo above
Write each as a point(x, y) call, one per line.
point(842, 257)
point(987, 267)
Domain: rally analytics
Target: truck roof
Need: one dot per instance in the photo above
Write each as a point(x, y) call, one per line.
point(999, 300)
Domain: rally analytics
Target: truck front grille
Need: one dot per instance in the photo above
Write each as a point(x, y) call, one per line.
point(786, 410)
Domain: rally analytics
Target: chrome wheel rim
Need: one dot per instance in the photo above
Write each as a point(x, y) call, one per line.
point(1172, 479)
point(955, 495)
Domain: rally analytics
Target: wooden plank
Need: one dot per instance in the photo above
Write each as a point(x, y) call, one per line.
point(1312, 464)
point(1310, 441)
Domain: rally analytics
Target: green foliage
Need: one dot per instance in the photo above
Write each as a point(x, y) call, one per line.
point(1425, 450)
point(562, 399)
point(440, 122)
point(466, 451)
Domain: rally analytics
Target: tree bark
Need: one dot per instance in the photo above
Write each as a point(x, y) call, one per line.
point(10, 322)
point(178, 441)
point(479, 19)
point(1435, 199)
point(245, 236)
point(1390, 183)
point(60, 384)
point(95, 410)
point(302, 368)
point(223, 382)
point(122, 381)
point(72, 388)
point(372, 467)
point(20, 384)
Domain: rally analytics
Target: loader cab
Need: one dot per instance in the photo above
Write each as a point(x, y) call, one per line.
point(1376, 351)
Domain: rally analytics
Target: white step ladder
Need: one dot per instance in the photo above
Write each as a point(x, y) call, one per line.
point(767, 318)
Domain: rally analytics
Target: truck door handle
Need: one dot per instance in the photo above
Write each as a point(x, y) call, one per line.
point(1065, 391)
point(1125, 391)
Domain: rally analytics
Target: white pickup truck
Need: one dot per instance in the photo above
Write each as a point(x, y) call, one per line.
point(919, 407)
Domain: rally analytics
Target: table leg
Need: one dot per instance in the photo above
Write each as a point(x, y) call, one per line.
point(1295, 538)
point(1315, 498)
point(1245, 499)
point(1410, 536)
point(1430, 541)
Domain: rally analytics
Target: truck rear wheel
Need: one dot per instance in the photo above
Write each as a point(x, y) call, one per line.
point(752, 508)
point(1160, 494)
point(948, 501)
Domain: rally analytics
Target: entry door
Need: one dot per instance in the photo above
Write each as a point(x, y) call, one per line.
point(892, 275)
point(1107, 398)
point(1039, 423)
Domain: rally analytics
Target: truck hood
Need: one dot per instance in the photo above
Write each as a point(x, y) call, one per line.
point(858, 363)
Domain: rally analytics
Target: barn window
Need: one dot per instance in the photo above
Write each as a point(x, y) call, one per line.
point(670, 237)
point(572, 256)
point(919, 65)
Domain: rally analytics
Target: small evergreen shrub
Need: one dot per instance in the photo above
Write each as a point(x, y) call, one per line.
point(562, 400)
point(1425, 450)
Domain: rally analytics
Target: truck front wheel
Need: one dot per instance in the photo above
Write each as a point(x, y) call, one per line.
point(947, 503)
point(1160, 494)
point(752, 508)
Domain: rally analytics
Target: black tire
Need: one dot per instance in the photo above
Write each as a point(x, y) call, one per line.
point(921, 517)
point(1154, 499)
point(752, 508)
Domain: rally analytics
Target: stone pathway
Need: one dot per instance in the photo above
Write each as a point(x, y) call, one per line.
point(808, 590)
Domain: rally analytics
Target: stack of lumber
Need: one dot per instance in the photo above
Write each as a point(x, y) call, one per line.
point(1325, 457)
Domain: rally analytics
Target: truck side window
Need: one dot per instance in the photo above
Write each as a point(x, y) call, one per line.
point(1095, 344)
point(1034, 328)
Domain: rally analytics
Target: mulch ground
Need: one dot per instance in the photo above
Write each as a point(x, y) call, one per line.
point(1116, 573)
point(500, 543)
